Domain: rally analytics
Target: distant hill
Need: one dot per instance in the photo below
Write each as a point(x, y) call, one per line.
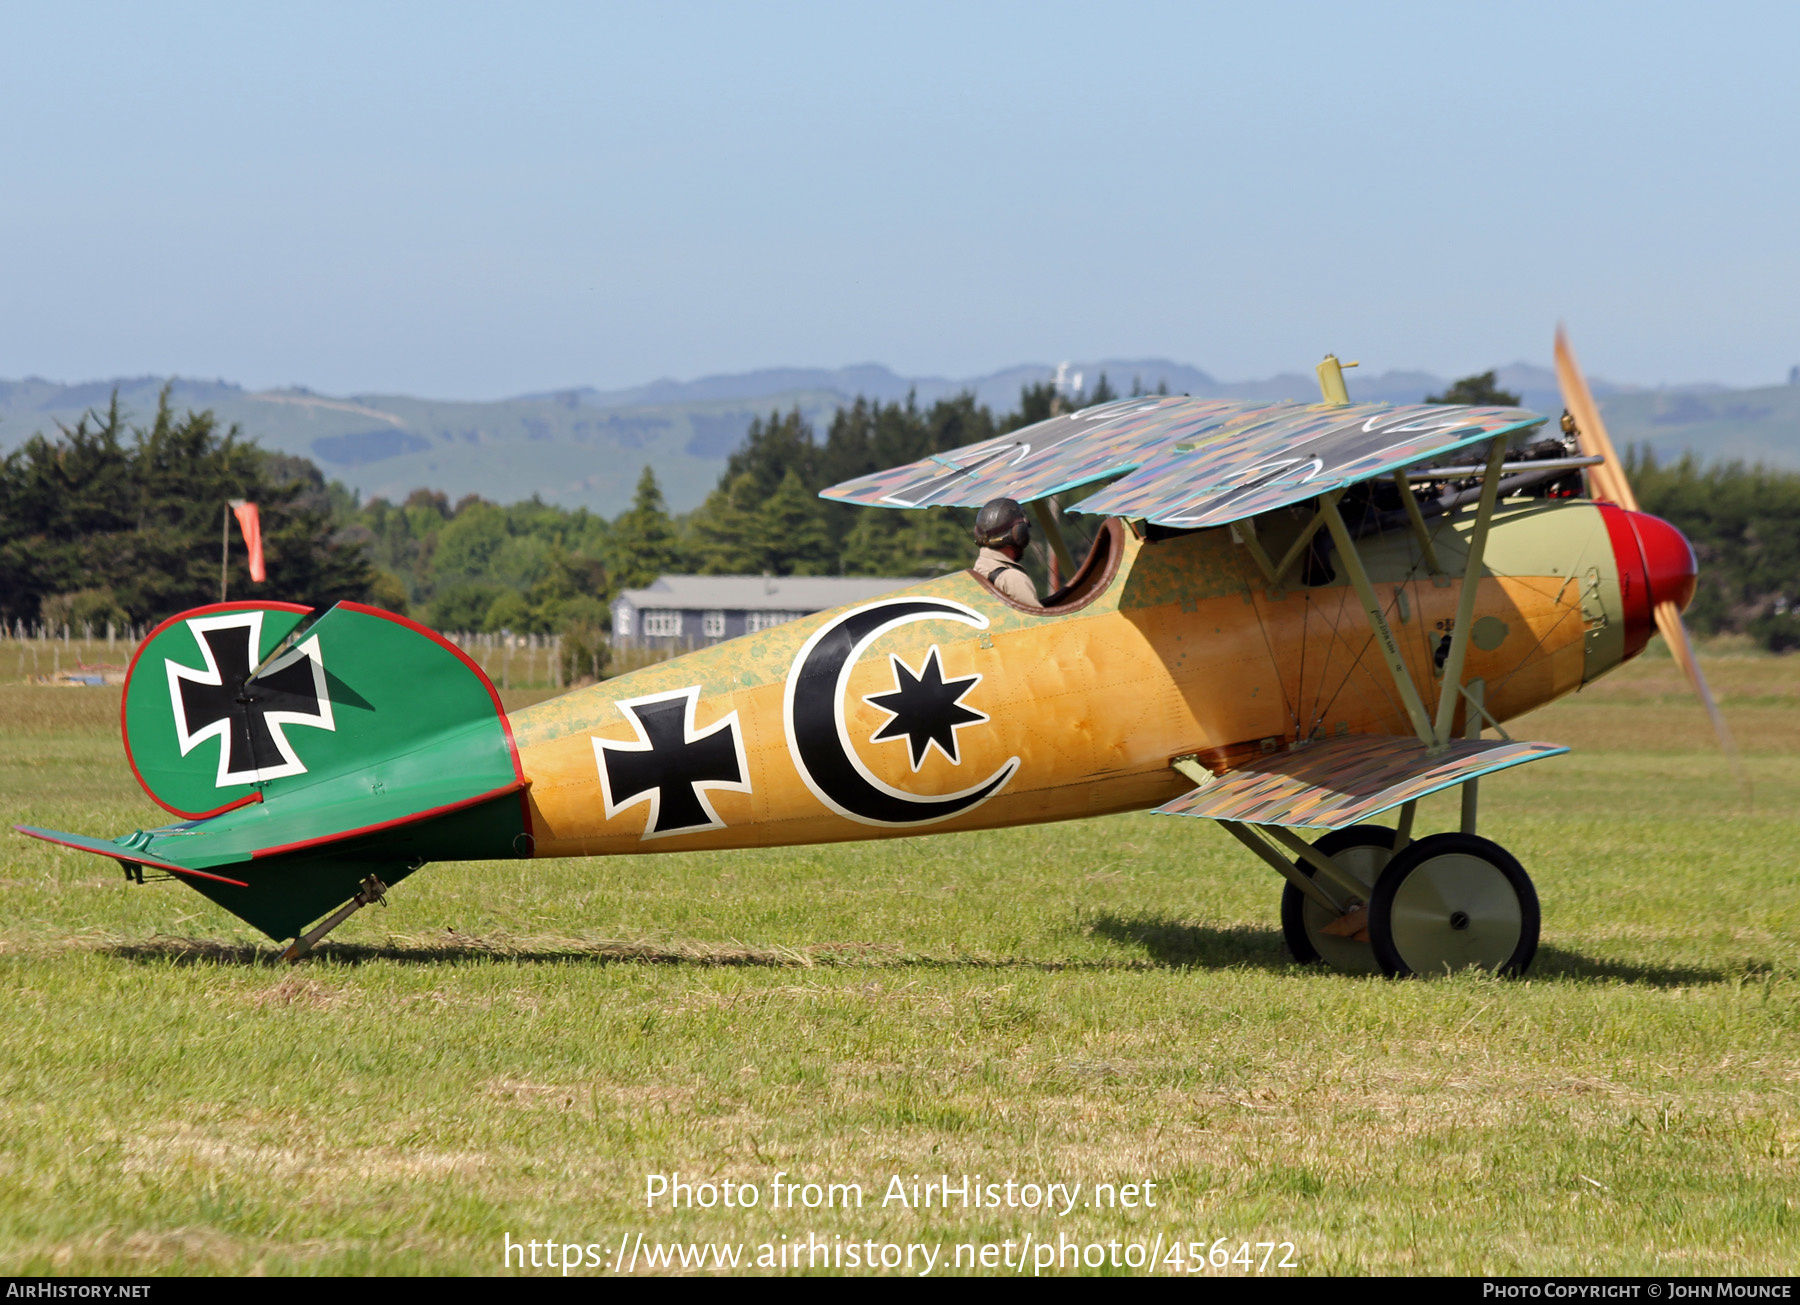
point(585, 447)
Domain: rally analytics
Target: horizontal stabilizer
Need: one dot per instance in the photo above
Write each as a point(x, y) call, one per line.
point(282, 889)
point(1337, 782)
point(127, 851)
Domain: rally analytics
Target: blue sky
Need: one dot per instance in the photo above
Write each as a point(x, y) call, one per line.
point(475, 201)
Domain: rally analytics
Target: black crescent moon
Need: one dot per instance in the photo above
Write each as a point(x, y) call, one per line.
point(819, 751)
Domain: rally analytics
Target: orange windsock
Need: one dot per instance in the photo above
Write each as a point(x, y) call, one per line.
point(250, 522)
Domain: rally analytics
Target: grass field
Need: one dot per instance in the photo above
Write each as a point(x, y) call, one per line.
point(509, 1049)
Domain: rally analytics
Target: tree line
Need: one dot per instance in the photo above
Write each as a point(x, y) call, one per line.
point(111, 522)
point(1744, 524)
point(116, 523)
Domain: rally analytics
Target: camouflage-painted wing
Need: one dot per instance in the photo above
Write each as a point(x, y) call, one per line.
point(1344, 781)
point(1052, 456)
point(1253, 462)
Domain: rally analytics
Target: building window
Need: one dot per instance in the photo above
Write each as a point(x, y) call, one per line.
point(768, 620)
point(622, 621)
point(661, 622)
point(712, 625)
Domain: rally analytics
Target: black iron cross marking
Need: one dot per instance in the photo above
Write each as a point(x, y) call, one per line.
point(247, 715)
point(673, 765)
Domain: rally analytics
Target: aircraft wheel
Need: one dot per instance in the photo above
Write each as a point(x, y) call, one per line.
point(1451, 901)
point(1363, 851)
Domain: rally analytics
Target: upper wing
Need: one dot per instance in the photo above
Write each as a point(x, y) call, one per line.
point(1254, 462)
point(1062, 453)
point(1191, 462)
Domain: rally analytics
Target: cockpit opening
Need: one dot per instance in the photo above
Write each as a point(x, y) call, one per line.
point(1089, 581)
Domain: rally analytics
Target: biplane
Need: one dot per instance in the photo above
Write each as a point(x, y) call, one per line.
point(1292, 619)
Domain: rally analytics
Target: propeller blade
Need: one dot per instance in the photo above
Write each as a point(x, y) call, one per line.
point(1674, 633)
point(1607, 479)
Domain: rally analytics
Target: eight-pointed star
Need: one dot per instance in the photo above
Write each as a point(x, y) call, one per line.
point(926, 708)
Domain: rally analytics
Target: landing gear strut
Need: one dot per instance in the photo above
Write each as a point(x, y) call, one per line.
point(1315, 934)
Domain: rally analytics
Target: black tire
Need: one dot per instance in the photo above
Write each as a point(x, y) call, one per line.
point(1451, 901)
point(1301, 917)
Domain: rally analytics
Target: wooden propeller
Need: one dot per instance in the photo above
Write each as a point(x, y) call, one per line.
point(1607, 480)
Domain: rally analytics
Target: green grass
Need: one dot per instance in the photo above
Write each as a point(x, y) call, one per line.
point(510, 1048)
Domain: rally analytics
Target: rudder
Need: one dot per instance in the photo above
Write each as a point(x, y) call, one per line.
point(304, 756)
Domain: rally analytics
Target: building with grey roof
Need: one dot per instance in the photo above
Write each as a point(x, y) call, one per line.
point(690, 611)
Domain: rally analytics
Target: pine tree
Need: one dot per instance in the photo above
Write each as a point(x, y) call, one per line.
point(723, 533)
point(1036, 403)
point(791, 533)
point(928, 543)
point(957, 421)
point(942, 541)
point(771, 449)
point(644, 544)
point(878, 544)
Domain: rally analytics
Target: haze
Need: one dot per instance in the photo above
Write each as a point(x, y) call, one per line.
point(474, 201)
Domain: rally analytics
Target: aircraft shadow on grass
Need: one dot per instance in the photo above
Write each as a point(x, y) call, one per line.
point(1180, 945)
point(1165, 943)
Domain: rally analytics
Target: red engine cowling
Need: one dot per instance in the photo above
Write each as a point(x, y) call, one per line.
point(1656, 565)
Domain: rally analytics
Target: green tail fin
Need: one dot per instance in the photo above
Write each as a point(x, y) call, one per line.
point(306, 756)
point(361, 709)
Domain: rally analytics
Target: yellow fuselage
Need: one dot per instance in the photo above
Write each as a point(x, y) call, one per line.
point(771, 739)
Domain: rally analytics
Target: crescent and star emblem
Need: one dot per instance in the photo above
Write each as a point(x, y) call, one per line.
point(925, 709)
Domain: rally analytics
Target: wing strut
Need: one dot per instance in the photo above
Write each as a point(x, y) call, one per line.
point(1465, 601)
point(1245, 532)
point(1434, 734)
point(1384, 634)
point(1040, 508)
point(1476, 693)
point(1417, 518)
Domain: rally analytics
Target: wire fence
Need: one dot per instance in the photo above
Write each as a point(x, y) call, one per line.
point(77, 655)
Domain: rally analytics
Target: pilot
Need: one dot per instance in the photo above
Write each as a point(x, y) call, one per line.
point(1004, 534)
